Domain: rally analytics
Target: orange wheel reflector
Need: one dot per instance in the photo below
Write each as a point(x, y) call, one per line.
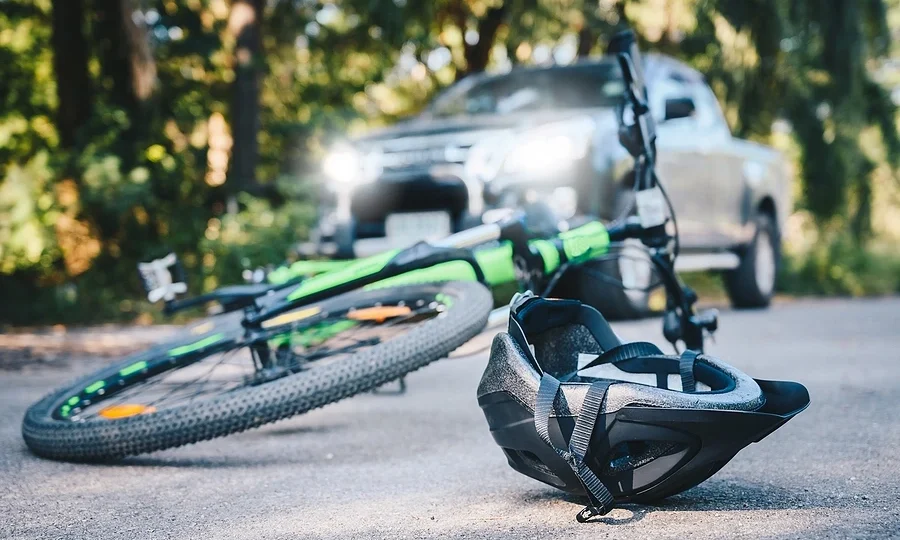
point(379, 313)
point(125, 410)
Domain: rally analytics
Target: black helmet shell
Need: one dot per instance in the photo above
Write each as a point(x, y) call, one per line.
point(650, 438)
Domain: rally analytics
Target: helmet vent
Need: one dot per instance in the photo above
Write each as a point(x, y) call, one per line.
point(528, 460)
point(629, 455)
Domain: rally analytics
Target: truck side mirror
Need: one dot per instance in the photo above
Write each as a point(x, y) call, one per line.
point(679, 108)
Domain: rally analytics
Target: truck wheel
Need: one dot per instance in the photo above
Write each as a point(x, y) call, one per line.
point(599, 283)
point(752, 284)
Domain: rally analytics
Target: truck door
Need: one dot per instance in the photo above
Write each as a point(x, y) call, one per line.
point(724, 165)
point(682, 167)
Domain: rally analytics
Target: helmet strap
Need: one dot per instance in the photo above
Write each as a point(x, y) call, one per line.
point(601, 500)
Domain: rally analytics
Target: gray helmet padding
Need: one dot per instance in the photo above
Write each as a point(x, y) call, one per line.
point(558, 348)
point(510, 371)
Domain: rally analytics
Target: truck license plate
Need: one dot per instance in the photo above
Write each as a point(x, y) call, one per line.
point(408, 228)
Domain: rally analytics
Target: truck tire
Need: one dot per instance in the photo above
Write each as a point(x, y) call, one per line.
point(752, 284)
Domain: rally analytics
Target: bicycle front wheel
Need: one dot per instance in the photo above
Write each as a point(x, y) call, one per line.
point(217, 378)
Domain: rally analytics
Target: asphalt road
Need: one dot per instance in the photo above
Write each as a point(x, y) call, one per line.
point(423, 465)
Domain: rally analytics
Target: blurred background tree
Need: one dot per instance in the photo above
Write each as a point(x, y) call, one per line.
point(130, 128)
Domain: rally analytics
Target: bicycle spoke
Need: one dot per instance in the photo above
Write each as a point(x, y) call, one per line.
point(252, 363)
point(188, 383)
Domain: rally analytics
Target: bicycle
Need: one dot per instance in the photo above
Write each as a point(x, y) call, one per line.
point(304, 343)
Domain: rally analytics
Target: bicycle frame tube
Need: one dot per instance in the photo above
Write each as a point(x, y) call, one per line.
point(473, 237)
point(305, 269)
point(448, 260)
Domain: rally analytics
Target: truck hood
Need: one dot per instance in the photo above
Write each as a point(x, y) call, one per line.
point(463, 131)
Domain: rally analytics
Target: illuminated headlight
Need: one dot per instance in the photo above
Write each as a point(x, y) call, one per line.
point(549, 148)
point(534, 153)
point(347, 167)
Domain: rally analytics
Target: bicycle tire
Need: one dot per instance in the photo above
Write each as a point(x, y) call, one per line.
point(253, 406)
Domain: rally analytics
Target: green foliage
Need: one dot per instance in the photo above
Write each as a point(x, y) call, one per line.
point(26, 202)
point(815, 56)
point(146, 177)
point(840, 267)
point(258, 235)
point(75, 221)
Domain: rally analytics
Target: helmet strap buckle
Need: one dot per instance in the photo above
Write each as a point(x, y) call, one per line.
point(590, 511)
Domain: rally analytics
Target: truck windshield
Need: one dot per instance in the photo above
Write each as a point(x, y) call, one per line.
point(571, 87)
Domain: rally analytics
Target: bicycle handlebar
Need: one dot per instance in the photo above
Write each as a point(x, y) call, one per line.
point(625, 44)
point(639, 137)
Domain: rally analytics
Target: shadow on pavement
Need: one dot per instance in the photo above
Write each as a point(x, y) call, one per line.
point(728, 495)
point(283, 431)
point(205, 462)
point(713, 495)
point(237, 455)
point(635, 512)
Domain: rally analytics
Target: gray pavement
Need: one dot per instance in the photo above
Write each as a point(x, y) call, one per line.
point(423, 465)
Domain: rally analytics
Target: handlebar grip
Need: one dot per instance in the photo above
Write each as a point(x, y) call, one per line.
point(632, 229)
point(585, 242)
point(625, 43)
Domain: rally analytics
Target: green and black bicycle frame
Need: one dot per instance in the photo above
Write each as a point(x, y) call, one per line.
point(505, 254)
point(497, 255)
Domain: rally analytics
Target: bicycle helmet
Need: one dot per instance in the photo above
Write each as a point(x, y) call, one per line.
point(632, 424)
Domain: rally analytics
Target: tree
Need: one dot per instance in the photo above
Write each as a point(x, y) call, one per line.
point(245, 25)
point(813, 54)
point(70, 64)
point(478, 51)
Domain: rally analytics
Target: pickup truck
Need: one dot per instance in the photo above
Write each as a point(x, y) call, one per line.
point(493, 143)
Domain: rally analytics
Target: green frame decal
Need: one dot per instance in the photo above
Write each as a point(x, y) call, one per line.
point(301, 269)
point(497, 264)
point(319, 333)
point(357, 270)
point(133, 368)
point(548, 252)
point(448, 271)
point(196, 346)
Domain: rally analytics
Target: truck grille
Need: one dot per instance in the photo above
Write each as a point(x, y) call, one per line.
point(414, 158)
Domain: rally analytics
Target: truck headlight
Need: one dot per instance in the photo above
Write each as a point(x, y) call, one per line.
point(536, 152)
point(343, 164)
point(549, 148)
point(347, 167)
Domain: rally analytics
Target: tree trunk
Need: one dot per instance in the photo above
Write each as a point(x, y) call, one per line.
point(125, 58)
point(585, 41)
point(70, 64)
point(113, 50)
point(244, 23)
point(478, 54)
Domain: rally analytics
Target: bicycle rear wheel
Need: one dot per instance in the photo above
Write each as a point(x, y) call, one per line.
point(216, 378)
